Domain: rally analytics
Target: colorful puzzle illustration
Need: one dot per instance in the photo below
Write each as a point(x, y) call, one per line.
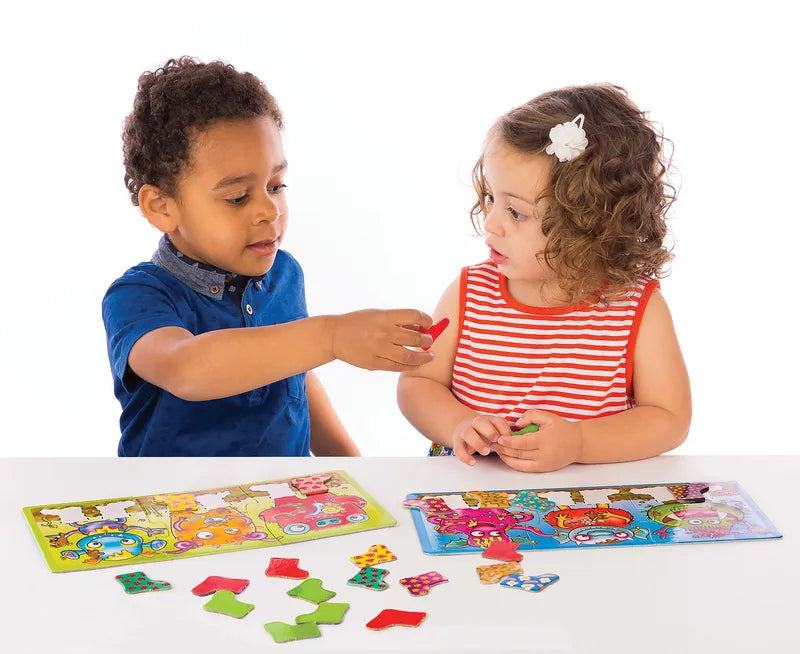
point(137, 530)
point(568, 518)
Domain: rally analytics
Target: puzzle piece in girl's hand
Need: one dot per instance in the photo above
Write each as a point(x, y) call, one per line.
point(312, 484)
point(283, 633)
point(286, 568)
point(139, 582)
point(530, 583)
point(326, 613)
point(491, 574)
point(225, 602)
point(527, 429)
point(311, 590)
point(502, 551)
point(394, 618)
point(429, 505)
point(490, 498)
point(371, 578)
point(421, 584)
point(436, 330)
point(213, 584)
point(375, 554)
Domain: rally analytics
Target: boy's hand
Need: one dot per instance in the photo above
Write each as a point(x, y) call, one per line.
point(378, 340)
point(556, 444)
point(478, 434)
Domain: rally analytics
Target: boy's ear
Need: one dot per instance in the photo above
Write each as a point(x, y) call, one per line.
point(157, 208)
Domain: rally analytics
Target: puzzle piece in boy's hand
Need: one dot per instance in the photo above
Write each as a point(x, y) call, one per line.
point(502, 551)
point(312, 484)
point(394, 618)
point(491, 574)
point(213, 584)
point(139, 582)
point(429, 505)
point(530, 583)
point(225, 602)
point(421, 584)
point(375, 554)
point(326, 613)
point(311, 590)
point(436, 330)
point(283, 633)
point(286, 568)
point(490, 498)
point(370, 578)
point(527, 429)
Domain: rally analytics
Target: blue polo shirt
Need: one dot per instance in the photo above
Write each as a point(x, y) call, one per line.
point(173, 290)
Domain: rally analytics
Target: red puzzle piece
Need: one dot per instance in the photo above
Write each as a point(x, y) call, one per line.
point(502, 551)
point(287, 568)
point(394, 617)
point(436, 330)
point(213, 584)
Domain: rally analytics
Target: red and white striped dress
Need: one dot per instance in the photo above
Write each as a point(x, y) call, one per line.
point(575, 361)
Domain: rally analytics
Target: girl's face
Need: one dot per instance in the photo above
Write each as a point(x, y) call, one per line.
point(513, 223)
point(230, 206)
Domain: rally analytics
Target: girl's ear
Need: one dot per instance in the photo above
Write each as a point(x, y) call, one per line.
point(158, 208)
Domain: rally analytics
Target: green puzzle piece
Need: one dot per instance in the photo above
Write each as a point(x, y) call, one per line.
point(283, 633)
point(371, 578)
point(311, 589)
point(529, 429)
point(326, 613)
point(139, 582)
point(224, 601)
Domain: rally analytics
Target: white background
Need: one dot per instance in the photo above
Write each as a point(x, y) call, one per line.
point(386, 107)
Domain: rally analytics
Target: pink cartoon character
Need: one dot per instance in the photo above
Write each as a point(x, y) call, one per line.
point(482, 527)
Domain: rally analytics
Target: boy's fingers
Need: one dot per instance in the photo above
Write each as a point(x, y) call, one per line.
point(411, 338)
point(404, 317)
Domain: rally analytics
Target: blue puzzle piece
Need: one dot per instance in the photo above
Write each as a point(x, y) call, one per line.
point(530, 583)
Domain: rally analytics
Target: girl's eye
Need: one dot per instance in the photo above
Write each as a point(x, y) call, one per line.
point(516, 215)
point(277, 189)
point(237, 201)
point(488, 198)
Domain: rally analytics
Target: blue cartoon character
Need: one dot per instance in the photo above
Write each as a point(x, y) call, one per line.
point(106, 540)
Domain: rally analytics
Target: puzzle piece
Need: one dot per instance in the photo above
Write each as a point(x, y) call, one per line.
point(375, 554)
point(177, 501)
point(502, 551)
point(283, 633)
point(213, 584)
point(429, 505)
point(311, 589)
point(326, 613)
point(421, 584)
point(371, 578)
point(286, 568)
point(528, 499)
point(312, 484)
point(139, 582)
point(436, 330)
point(491, 574)
point(490, 498)
point(395, 618)
point(225, 602)
point(527, 429)
point(530, 583)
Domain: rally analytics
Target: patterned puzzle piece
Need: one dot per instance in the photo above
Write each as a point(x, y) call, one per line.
point(530, 583)
point(531, 500)
point(490, 498)
point(689, 492)
point(371, 578)
point(286, 568)
point(502, 551)
point(283, 633)
point(396, 618)
point(312, 484)
point(178, 501)
point(213, 584)
point(225, 602)
point(491, 574)
point(326, 613)
point(421, 584)
point(311, 590)
point(429, 505)
point(375, 554)
point(139, 582)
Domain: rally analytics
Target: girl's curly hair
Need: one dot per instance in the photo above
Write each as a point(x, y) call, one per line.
point(606, 208)
point(175, 101)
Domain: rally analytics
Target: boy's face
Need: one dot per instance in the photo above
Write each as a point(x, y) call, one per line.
point(230, 206)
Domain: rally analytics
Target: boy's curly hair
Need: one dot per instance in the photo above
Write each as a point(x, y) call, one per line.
point(175, 101)
point(605, 222)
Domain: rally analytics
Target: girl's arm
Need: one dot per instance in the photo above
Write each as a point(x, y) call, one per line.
point(328, 435)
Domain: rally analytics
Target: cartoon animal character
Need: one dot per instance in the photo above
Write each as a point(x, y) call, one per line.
point(106, 540)
point(482, 527)
point(594, 525)
point(295, 515)
point(214, 528)
point(705, 520)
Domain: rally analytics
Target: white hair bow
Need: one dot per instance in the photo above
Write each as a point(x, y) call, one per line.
point(568, 140)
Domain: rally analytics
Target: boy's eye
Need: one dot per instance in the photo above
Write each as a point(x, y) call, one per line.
point(238, 200)
point(277, 188)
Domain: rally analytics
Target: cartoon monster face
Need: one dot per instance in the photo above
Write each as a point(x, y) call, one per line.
point(485, 535)
point(588, 516)
point(600, 534)
point(105, 540)
point(220, 526)
point(112, 546)
point(482, 527)
point(701, 520)
point(295, 515)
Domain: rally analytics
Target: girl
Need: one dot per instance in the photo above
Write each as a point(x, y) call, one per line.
point(563, 327)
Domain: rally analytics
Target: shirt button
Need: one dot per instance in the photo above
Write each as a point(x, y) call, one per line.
point(249, 309)
point(214, 289)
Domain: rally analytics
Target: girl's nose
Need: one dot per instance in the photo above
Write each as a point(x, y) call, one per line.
point(492, 224)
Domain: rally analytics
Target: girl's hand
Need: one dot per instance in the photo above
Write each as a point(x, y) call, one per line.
point(477, 434)
point(557, 443)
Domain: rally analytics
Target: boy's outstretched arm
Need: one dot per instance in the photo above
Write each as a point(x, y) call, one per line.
point(328, 435)
point(227, 362)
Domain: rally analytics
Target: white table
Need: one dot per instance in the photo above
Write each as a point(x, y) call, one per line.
point(703, 597)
